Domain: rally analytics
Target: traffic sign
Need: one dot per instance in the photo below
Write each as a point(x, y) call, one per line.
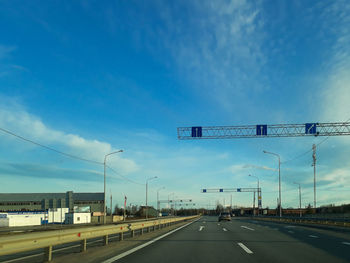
point(261, 130)
point(204, 190)
point(310, 128)
point(221, 190)
point(196, 131)
point(238, 189)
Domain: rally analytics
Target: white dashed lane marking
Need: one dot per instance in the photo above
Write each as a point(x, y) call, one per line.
point(245, 248)
point(247, 228)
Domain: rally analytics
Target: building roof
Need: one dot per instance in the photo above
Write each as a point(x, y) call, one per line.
point(26, 197)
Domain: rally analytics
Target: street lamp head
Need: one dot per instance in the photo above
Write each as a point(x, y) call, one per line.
point(264, 151)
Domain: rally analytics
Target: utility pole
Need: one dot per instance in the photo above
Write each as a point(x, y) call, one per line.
point(104, 184)
point(314, 165)
point(279, 181)
point(111, 208)
point(254, 203)
point(299, 198)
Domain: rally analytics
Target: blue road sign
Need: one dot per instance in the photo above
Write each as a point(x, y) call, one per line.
point(204, 190)
point(196, 131)
point(261, 130)
point(221, 190)
point(259, 202)
point(310, 128)
point(238, 189)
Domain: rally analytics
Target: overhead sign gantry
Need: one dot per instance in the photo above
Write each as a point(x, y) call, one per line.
point(264, 130)
point(230, 190)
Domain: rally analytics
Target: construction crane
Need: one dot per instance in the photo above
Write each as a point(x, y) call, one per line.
point(264, 131)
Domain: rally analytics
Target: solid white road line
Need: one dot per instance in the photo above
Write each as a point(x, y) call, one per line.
point(218, 224)
point(247, 228)
point(291, 232)
point(245, 248)
point(346, 243)
point(224, 229)
point(126, 253)
point(313, 236)
point(201, 228)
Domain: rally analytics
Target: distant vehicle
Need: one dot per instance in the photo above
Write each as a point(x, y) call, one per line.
point(224, 216)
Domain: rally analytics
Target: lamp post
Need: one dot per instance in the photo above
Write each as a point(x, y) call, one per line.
point(299, 197)
point(254, 195)
point(169, 206)
point(104, 184)
point(147, 193)
point(158, 205)
point(279, 180)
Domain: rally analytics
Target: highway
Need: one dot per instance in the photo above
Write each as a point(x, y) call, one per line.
point(245, 240)
point(207, 240)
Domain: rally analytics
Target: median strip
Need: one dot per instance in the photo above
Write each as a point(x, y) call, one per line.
point(245, 248)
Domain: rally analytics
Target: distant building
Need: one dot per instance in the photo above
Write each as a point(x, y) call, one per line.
point(44, 201)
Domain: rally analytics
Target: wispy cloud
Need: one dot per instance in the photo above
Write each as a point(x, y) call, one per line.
point(259, 167)
point(336, 89)
point(16, 119)
point(5, 51)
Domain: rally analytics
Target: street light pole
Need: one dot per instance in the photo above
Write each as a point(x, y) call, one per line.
point(279, 180)
point(169, 206)
point(104, 184)
point(254, 195)
point(299, 198)
point(147, 194)
point(158, 205)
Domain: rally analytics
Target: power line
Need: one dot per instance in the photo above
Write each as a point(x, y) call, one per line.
point(50, 148)
point(308, 151)
point(66, 154)
point(122, 176)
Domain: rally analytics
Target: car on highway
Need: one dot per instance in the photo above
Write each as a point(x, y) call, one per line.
point(225, 216)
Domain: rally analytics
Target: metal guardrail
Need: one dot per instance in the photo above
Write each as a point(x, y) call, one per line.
point(32, 241)
point(307, 220)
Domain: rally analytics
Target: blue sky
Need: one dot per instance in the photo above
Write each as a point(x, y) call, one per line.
point(90, 77)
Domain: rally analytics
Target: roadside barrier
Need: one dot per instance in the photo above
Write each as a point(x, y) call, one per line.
point(47, 239)
point(312, 220)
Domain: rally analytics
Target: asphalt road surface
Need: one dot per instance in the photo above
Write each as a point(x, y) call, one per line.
point(244, 240)
point(207, 240)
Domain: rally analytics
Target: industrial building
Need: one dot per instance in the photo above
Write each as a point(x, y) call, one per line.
point(92, 202)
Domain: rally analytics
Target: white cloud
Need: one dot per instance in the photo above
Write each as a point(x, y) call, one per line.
point(336, 90)
point(15, 119)
point(217, 47)
point(5, 51)
point(259, 167)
